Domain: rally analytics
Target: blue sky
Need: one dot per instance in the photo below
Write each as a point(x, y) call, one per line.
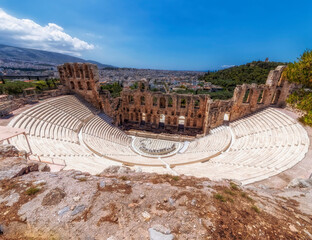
point(161, 34)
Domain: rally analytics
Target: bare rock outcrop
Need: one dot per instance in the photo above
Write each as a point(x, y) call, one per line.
point(122, 204)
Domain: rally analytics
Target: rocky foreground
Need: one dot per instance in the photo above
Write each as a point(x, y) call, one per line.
point(122, 204)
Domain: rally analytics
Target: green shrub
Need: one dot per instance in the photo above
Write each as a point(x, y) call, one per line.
point(302, 100)
point(220, 197)
point(255, 208)
point(32, 191)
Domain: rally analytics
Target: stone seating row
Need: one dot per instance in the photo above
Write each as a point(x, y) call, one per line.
point(53, 120)
point(256, 155)
point(99, 128)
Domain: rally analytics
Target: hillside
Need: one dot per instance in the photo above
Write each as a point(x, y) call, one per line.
point(254, 72)
point(9, 53)
point(122, 204)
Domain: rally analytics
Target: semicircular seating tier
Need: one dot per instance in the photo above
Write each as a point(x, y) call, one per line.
point(52, 128)
point(96, 137)
point(253, 148)
point(265, 144)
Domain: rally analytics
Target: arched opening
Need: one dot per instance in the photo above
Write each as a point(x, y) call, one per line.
point(170, 102)
point(143, 116)
point(70, 71)
point(196, 104)
point(80, 85)
point(246, 98)
point(154, 119)
point(276, 97)
point(260, 97)
point(168, 120)
point(181, 123)
point(86, 72)
point(142, 86)
point(162, 102)
point(175, 121)
point(194, 123)
point(154, 101)
point(89, 86)
point(131, 99)
point(142, 100)
point(148, 118)
point(226, 117)
point(72, 85)
point(183, 103)
point(162, 120)
point(120, 119)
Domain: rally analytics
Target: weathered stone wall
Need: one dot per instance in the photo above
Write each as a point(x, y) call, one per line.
point(160, 112)
point(82, 79)
point(173, 113)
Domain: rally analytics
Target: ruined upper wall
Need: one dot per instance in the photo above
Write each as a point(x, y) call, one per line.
point(82, 79)
point(173, 113)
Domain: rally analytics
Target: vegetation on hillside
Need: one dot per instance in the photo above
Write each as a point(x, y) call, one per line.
point(17, 87)
point(301, 72)
point(114, 89)
point(254, 72)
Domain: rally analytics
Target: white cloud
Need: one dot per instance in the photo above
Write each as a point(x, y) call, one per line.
point(227, 66)
point(27, 33)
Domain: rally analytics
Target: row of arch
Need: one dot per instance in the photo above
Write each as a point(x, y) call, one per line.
point(163, 120)
point(77, 71)
point(262, 96)
point(163, 102)
point(80, 86)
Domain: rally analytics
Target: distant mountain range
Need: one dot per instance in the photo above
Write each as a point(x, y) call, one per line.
point(32, 55)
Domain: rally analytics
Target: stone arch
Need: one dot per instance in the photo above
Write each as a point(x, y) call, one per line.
point(80, 85)
point(194, 123)
point(260, 97)
point(196, 103)
point(131, 99)
point(226, 117)
point(183, 103)
point(143, 116)
point(155, 101)
point(246, 98)
point(162, 102)
point(162, 118)
point(89, 86)
point(72, 85)
point(142, 100)
point(181, 123)
point(168, 120)
point(188, 122)
point(276, 96)
point(175, 121)
point(148, 118)
point(170, 102)
point(181, 120)
point(87, 75)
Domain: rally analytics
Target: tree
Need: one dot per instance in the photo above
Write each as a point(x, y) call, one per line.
point(301, 71)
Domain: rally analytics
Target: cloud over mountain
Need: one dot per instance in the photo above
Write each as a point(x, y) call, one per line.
point(27, 33)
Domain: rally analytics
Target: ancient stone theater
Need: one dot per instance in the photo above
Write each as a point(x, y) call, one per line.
point(249, 137)
point(172, 113)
